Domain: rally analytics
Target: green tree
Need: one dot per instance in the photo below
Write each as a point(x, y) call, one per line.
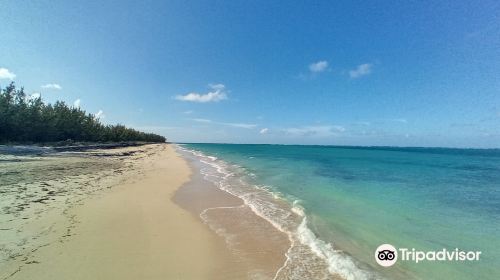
point(28, 119)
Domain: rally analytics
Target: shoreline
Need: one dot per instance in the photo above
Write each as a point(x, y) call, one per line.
point(306, 256)
point(256, 245)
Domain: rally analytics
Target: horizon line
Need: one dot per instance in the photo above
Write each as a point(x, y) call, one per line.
point(342, 146)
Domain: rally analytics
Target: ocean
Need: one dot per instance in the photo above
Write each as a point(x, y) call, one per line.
point(338, 204)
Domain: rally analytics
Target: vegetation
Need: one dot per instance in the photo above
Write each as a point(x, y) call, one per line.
point(28, 119)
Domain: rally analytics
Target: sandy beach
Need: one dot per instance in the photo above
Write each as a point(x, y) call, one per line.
point(127, 229)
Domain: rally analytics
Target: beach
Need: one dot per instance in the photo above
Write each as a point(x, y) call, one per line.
point(128, 228)
point(219, 211)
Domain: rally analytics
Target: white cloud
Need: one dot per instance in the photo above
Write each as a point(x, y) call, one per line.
point(361, 70)
point(35, 95)
point(6, 74)
point(319, 66)
point(217, 94)
point(77, 102)
point(189, 112)
point(217, 86)
point(264, 130)
point(202, 98)
point(100, 115)
point(52, 86)
point(239, 125)
point(315, 131)
point(202, 120)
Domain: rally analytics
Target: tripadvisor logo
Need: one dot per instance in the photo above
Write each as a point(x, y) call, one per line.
point(387, 255)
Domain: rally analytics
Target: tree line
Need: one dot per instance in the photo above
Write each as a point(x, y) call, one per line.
point(25, 118)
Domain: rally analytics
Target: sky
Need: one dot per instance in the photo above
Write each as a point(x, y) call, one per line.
point(390, 73)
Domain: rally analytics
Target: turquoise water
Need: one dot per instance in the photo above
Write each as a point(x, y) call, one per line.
point(359, 198)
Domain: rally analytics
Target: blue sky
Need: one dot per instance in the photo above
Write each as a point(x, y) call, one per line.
point(406, 73)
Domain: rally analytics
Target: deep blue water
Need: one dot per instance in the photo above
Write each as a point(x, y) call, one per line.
point(357, 198)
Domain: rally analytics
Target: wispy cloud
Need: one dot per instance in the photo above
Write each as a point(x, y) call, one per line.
point(389, 120)
point(319, 66)
point(52, 86)
point(315, 131)
point(239, 125)
point(217, 93)
point(100, 115)
point(361, 70)
point(264, 130)
point(202, 120)
point(6, 74)
point(189, 112)
point(77, 102)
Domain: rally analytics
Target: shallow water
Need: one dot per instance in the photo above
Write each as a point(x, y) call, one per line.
point(339, 204)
